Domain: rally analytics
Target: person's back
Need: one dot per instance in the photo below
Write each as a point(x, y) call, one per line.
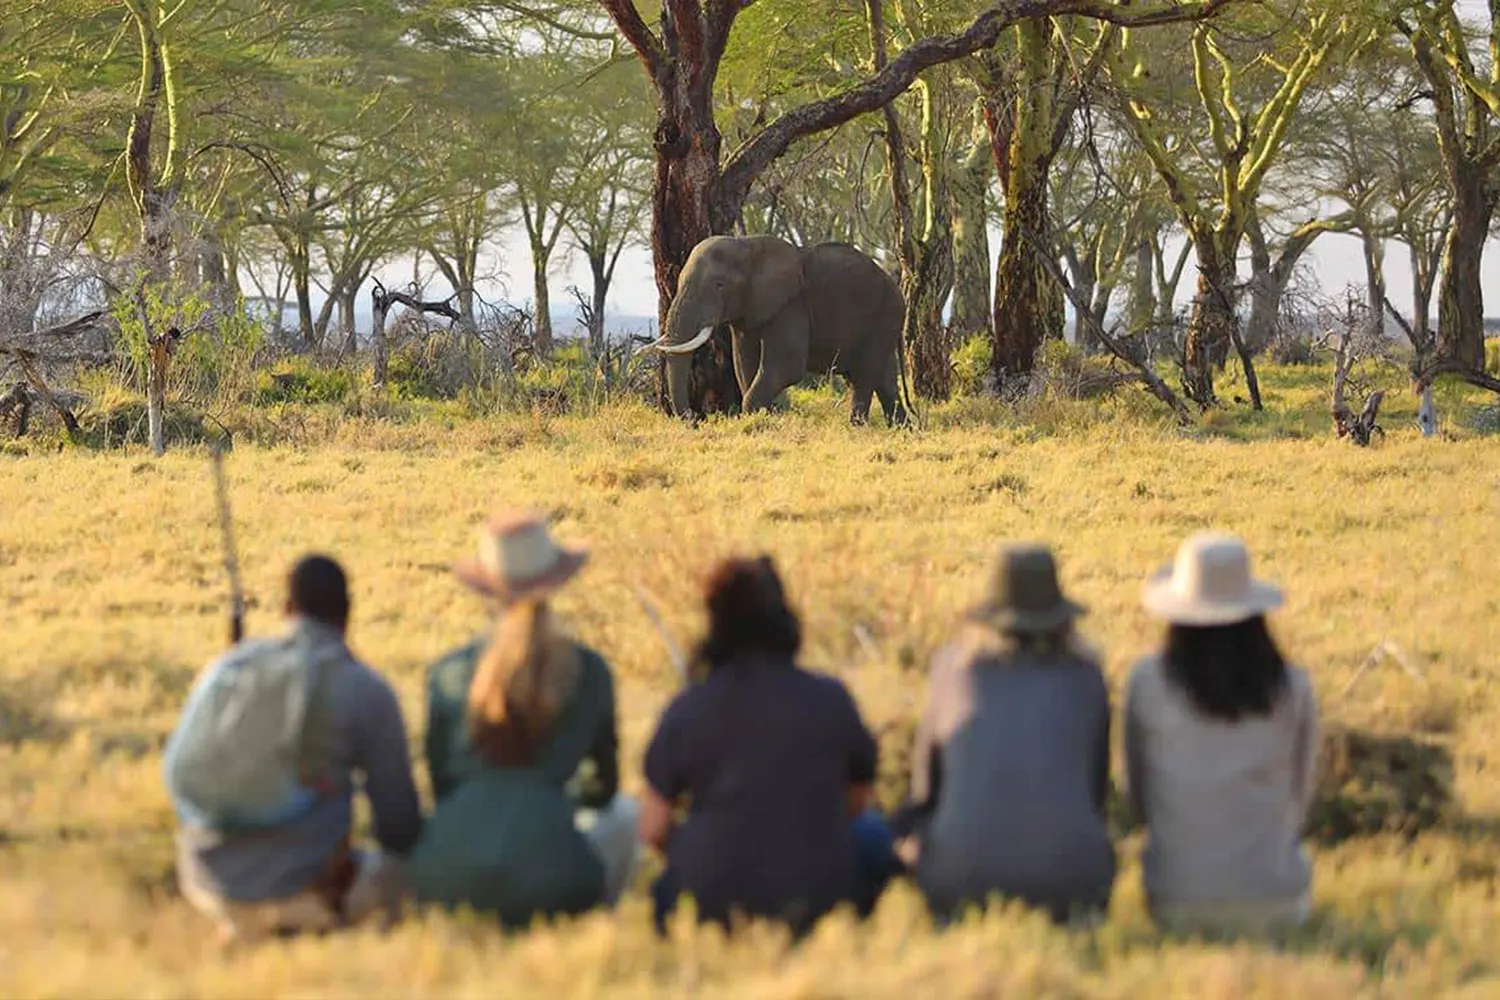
point(240, 877)
point(1020, 812)
point(1220, 741)
point(763, 749)
point(510, 721)
point(774, 763)
point(1012, 755)
point(1224, 802)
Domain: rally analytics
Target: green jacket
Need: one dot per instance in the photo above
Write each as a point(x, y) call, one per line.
point(504, 844)
point(503, 840)
point(583, 754)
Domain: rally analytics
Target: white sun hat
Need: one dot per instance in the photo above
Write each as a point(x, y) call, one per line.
point(1209, 584)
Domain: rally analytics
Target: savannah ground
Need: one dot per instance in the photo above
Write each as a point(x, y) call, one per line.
point(111, 597)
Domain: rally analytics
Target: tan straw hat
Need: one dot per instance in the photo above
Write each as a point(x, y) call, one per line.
point(1209, 584)
point(517, 559)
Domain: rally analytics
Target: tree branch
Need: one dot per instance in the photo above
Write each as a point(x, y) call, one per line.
point(756, 153)
point(646, 44)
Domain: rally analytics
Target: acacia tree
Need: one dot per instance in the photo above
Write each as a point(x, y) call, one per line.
point(612, 193)
point(1466, 112)
point(1247, 96)
point(1107, 206)
point(697, 193)
point(1032, 89)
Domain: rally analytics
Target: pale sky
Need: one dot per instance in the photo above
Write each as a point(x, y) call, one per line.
point(1335, 258)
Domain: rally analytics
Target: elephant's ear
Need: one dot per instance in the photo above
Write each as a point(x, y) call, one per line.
point(775, 279)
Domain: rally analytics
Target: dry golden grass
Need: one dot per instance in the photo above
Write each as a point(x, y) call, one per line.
point(111, 597)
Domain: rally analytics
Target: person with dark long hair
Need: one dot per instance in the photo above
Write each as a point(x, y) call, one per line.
point(1010, 769)
point(777, 768)
point(1221, 740)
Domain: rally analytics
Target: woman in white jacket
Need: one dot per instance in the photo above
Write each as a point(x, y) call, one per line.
point(1221, 750)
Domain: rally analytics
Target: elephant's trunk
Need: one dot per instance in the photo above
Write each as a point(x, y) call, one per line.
point(678, 344)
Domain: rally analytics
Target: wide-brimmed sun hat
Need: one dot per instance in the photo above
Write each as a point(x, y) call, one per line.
point(1209, 584)
point(518, 559)
point(1024, 594)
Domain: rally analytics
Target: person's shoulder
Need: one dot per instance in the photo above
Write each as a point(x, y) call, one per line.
point(249, 650)
point(822, 684)
point(455, 668)
point(1299, 683)
point(593, 662)
point(1146, 673)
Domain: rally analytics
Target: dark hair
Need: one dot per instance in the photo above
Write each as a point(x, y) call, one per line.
point(317, 589)
point(747, 612)
point(1227, 671)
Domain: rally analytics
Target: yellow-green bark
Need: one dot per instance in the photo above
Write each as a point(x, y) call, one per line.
point(1466, 106)
point(1244, 146)
point(1027, 112)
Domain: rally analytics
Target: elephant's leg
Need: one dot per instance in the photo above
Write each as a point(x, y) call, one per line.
point(889, 392)
point(859, 413)
point(783, 359)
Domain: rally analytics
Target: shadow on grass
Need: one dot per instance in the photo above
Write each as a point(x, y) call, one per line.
point(26, 718)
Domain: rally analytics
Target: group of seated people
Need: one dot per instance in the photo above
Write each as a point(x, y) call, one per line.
point(760, 776)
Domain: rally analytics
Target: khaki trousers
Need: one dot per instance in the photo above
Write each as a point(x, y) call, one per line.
point(370, 885)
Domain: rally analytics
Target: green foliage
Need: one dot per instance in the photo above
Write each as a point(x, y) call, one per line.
point(215, 354)
point(1492, 355)
point(301, 381)
point(971, 365)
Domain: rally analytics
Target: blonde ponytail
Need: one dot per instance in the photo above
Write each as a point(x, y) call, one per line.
point(522, 683)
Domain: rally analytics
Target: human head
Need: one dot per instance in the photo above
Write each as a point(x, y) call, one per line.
point(1219, 650)
point(1025, 602)
point(317, 589)
point(748, 613)
point(517, 560)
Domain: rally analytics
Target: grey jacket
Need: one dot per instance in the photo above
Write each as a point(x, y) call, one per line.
point(1223, 803)
point(1012, 752)
point(368, 746)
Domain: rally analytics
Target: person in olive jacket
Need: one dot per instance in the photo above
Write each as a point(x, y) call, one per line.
point(521, 736)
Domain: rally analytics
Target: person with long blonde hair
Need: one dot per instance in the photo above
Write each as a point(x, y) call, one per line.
point(524, 706)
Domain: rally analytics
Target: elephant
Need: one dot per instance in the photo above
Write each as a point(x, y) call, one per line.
point(790, 310)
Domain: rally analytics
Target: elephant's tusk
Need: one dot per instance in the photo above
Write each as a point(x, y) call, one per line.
point(691, 345)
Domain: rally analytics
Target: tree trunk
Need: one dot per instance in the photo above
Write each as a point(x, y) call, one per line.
point(347, 298)
point(1140, 309)
point(1460, 334)
point(929, 353)
point(1212, 321)
point(379, 306)
point(1373, 249)
point(302, 286)
point(1423, 278)
point(1081, 274)
point(684, 212)
point(971, 243)
point(211, 264)
point(156, 395)
point(541, 324)
point(1028, 301)
point(600, 271)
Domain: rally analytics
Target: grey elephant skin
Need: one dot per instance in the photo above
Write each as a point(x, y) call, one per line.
point(791, 310)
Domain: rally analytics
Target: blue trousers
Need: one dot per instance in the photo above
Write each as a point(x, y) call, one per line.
point(875, 859)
